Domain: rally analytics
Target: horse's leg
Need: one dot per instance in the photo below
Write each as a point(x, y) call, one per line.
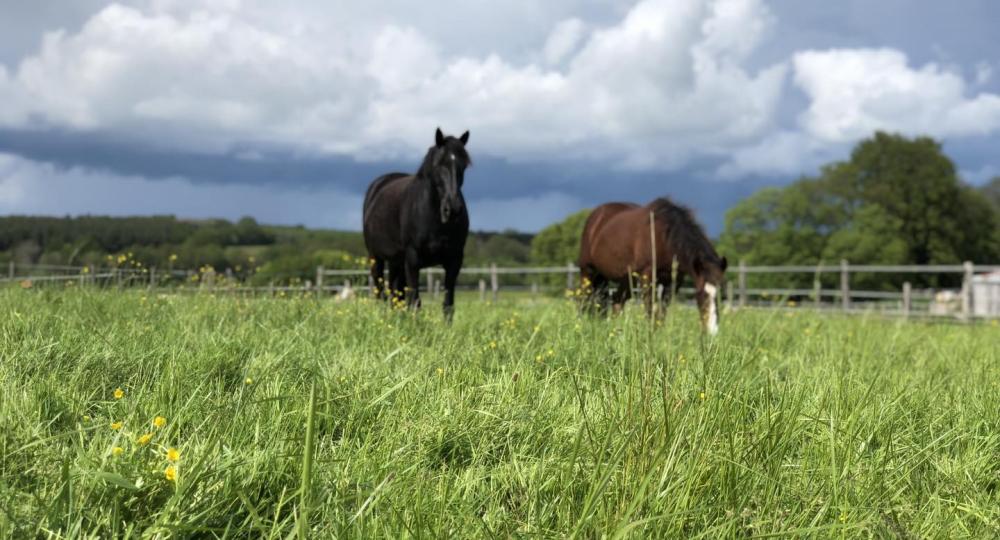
point(451, 269)
point(622, 295)
point(378, 279)
point(412, 279)
point(593, 286)
point(669, 289)
point(397, 281)
point(648, 291)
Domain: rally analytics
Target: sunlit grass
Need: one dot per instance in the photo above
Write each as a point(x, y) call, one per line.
point(521, 418)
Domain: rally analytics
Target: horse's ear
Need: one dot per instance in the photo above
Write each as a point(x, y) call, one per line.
point(464, 138)
point(438, 138)
point(724, 264)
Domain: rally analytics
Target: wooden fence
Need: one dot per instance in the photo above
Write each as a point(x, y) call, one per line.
point(488, 281)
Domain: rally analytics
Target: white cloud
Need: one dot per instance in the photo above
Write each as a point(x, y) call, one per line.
point(564, 40)
point(785, 153)
point(984, 73)
point(856, 91)
point(653, 84)
point(663, 85)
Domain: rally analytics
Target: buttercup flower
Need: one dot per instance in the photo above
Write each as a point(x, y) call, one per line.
point(170, 473)
point(173, 455)
point(117, 451)
point(144, 439)
point(116, 426)
point(119, 393)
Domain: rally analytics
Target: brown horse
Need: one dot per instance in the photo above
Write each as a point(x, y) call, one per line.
point(617, 246)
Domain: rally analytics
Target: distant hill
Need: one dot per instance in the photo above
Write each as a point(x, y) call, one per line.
point(273, 252)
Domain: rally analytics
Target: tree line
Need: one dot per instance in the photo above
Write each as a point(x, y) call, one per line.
point(895, 200)
point(258, 253)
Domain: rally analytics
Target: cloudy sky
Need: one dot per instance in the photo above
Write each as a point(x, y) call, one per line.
point(286, 110)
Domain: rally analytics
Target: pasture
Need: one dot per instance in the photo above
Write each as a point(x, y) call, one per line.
point(522, 419)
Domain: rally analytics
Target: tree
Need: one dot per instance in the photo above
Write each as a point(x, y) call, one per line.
point(896, 200)
point(559, 243)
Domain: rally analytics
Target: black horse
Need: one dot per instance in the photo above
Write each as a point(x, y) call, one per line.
point(415, 221)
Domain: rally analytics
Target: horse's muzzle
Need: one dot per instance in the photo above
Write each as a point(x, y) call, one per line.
point(450, 209)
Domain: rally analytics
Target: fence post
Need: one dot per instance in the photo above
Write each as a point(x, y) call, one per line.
point(152, 277)
point(10, 270)
point(319, 279)
point(907, 300)
point(494, 281)
point(967, 291)
point(818, 287)
point(729, 296)
point(482, 290)
point(371, 285)
point(845, 285)
point(210, 279)
point(534, 288)
point(437, 288)
point(570, 272)
point(430, 281)
point(743, 284)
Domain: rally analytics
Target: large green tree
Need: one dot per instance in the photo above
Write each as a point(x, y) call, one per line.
point(559, 243)
point(896, 200)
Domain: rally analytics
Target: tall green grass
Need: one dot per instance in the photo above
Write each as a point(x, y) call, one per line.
point(521, 419)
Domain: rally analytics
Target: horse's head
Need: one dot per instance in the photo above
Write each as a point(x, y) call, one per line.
point(448, 161)
point(709, 275)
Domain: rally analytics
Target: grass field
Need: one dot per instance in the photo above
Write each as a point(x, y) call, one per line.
point(521, 419)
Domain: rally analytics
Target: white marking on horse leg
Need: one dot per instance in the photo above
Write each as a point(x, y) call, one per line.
point(712, 321)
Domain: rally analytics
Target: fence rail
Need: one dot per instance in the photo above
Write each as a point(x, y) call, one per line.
point(971, 302)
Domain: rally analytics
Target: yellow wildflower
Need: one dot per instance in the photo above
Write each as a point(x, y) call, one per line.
point(159, 421)
point(117, 451)
point(440, 371)
point(173, 455)
point(116, 425)
point(144, 439)
point(248, 380)
point(493, 344)
point(119, 393)
point(701, 396)
point(86, 418)
point(170, 473)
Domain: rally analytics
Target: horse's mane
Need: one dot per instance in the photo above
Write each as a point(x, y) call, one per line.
point(685, 236)
point(457, 149)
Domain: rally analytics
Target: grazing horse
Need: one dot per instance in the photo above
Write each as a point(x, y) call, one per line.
point(412, 221)
point(617, 243)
